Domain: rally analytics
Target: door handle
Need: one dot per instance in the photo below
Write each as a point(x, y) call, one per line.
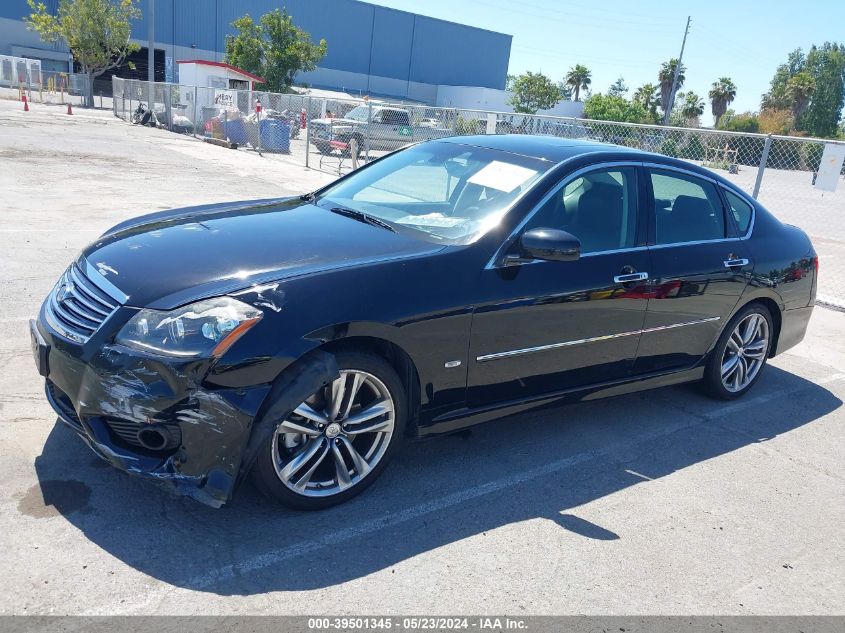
point(740, 261)
point(625, 279)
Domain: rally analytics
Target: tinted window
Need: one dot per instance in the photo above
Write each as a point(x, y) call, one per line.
point(741, 211)
point(599, 208)
point(686, 209)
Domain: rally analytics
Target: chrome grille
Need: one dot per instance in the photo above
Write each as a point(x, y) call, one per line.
point(76, 307)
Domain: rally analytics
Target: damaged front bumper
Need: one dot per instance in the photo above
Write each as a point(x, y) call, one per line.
point(149, 416)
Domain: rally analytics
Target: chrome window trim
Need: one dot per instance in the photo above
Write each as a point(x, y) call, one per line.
point(687, 172)
point(696, 242)
point(742, 196)
point(491, 264)
point(542, 348)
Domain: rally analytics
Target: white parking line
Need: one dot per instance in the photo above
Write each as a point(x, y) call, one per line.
point(274, 557)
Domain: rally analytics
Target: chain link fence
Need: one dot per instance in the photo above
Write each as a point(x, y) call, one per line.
point(338, 135)
point(21, 76)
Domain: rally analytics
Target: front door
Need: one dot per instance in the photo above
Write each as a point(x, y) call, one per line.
point(699, 270)
point(547, 326)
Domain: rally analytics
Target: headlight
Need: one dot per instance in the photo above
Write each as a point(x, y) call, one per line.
point(205, 328)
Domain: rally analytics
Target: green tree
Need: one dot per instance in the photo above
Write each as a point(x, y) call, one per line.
point(275, 48)
point(721, 94)
point(618, 88)
point(777, 98)
point(827, 66)
point(246, 49)
point(579, 78)
point(565, 91)
point(692, 107)
point(646, 96)
point(800, 89)
point(615, 108)
point(532, 92)
point(96, 31)
point(666, 77)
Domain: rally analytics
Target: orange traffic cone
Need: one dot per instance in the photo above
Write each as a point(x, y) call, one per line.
point(25, 104)
point(69, 109)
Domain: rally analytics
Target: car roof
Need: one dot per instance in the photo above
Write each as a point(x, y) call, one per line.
point(556, 149)
point(549, 148)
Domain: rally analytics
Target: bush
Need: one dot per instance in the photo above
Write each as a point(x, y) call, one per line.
point(695, 148)
point(467, 127)
point(745, 122)
point(613, 108)
point(669, 148)
point(775, 122)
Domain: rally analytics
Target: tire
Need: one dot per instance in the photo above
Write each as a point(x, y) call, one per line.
point(737, 361)
point(303, 470)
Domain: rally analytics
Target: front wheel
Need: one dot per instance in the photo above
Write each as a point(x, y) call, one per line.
point(335, 444)
point(740, 354)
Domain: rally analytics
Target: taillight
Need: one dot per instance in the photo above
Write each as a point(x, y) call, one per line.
point(816, 264)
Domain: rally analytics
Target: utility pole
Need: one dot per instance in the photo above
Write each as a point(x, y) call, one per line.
point(151, 36)
point(670, 104)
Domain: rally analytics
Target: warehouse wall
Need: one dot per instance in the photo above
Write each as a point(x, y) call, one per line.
point(371, 49)
point(363, 39)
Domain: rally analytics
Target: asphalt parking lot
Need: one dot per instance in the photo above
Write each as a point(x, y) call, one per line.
point(662, 502)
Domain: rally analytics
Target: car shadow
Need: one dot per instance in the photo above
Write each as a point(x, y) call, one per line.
point(542, 465)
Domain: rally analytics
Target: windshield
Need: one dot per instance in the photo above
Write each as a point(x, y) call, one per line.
point(357, 114)
point(455, 193)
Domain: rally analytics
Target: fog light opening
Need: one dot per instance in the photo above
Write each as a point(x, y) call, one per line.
point(152, 439)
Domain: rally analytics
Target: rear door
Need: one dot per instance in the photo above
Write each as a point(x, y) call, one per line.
point(699, 269)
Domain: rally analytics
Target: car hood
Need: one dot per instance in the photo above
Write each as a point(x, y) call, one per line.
point(167, 259)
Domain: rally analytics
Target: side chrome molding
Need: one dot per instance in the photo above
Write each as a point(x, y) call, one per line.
point(542, 348)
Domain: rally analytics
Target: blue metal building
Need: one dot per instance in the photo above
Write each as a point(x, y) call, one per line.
point(371, 49)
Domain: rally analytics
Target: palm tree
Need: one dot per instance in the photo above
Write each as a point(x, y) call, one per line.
point(800, 89)
point(721, 95)
point(579, 78)
point(692, 107)
point(666, 76)
point(646, 96)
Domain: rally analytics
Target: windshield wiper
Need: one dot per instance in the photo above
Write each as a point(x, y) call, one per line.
point(308, 197)
point(363, 217)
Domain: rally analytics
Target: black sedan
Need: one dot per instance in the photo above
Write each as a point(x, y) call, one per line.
point(446, 284)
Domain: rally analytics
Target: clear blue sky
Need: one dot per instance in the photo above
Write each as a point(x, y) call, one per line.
point(744, 40)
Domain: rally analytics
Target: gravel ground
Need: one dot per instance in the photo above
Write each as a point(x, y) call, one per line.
point(655, 503)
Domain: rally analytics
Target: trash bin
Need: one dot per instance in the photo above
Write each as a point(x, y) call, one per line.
point(275, 135)
point(236, 131)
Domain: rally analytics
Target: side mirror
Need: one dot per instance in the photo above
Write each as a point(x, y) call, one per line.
point(550, 244)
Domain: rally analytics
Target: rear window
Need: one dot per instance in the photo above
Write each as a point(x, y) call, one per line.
point(687, 209)
point(741, 211)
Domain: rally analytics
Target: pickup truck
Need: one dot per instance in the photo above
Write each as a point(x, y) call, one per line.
point(388, 129)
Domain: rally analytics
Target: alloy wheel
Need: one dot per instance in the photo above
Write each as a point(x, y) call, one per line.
point(745, 352)
point(336, 437)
